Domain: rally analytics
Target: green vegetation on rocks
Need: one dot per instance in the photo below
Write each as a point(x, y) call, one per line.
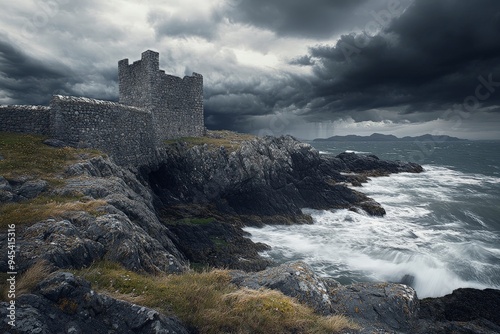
point(231, 141)
point(209, 302)
point(26, 161)
point(44, 207)
point(27, 155)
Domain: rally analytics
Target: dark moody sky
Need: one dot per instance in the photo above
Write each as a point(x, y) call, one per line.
point(311, 68)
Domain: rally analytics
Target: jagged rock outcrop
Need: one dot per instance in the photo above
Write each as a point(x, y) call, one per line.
point(125, 230)
point(375, 306)
point(265, 177)
point(295, 279)
point(371, 164)
point(63, 303)
point(218, 244)
point(264, 180)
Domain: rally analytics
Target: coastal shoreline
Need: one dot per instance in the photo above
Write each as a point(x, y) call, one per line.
point(190, 209)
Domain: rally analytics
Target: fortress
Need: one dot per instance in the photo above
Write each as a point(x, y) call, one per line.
point(153, 107)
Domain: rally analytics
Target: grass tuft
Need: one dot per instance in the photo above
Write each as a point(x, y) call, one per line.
point(27, 155)
point(231, 141)
point(31, 277)
point(44, 207)
point(26, 282)
point(209, 302)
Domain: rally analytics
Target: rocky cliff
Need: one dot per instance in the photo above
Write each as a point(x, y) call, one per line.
point(270, 179)
point(187, 209)
point(260, 181)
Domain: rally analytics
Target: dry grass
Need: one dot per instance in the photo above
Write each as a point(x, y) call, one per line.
point(231, 141)
point(44, 207)
point(31, 277)
point(209, 302)
point(268, 311)
point(26, 282)
point(27, 155)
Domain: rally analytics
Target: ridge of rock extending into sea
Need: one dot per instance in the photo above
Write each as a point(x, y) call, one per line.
point(190, 207)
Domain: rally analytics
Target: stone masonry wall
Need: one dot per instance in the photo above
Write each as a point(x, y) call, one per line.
point(123, 132)
point(176, 104)
point(180, 109)
point(25, 119)
point(137, 81)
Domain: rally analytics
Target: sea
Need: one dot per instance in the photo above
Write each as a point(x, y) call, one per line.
point(441, 231)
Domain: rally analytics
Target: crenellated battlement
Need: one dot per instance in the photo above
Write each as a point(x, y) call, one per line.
point(176, 104)
point(153, 106)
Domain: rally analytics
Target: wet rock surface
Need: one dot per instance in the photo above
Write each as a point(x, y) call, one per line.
point(377, 305)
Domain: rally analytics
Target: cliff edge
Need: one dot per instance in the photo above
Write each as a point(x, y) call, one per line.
point(127, 231)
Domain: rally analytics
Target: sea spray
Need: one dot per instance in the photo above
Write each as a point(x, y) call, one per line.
point(440, 233)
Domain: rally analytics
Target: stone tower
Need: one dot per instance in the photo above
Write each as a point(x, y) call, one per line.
point(176, 104)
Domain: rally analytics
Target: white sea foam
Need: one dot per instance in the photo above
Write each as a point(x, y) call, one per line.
point(429, 233)
point(357, 152)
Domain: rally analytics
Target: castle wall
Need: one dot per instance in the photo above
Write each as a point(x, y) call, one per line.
point(179, 111)
point(25, 119)
point(123, 132)
point(176, 104)
point(153, 107)
point(136, 82)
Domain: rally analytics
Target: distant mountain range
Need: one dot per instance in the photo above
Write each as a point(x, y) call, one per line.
point(381, 137)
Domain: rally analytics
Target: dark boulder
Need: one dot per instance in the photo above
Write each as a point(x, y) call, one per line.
point(393, 307)
point(295, 279)
point(463, 311)
point(464, 305)
point(31, 189)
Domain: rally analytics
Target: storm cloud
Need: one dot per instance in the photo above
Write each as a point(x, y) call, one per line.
point(30, 80)
point(414, 63)
point(315, 18)
point(305, 68)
